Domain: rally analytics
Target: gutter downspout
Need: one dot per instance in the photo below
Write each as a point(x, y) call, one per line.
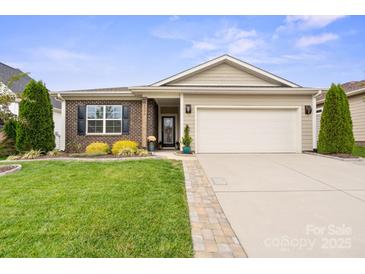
point(63, 121)
point(314, 120)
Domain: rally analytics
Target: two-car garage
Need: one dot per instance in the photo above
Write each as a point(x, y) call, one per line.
point(248, 129)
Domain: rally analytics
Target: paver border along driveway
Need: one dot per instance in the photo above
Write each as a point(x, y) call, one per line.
point(291, 205)
point(212, 234)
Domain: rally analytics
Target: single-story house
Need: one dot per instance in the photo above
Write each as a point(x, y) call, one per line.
point(355, 92)
point(6, 72)
point(229, 105)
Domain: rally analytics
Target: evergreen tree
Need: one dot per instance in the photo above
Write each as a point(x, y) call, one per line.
point(35, 128)
point(335, 135)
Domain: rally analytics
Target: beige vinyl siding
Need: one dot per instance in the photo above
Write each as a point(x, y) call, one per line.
point(252, 100)
point(223, 75)
point(357, 108)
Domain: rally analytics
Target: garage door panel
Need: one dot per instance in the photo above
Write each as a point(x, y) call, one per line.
point(247, 130)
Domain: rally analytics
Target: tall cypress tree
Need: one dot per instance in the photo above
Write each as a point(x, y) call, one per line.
point(36, 126)
point(335, 135)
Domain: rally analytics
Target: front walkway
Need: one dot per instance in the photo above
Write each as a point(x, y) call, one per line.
point(212, 234)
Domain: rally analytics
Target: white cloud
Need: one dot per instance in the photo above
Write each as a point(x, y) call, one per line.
point(242, 45)
point(224, 39)
point(60, 54)
point(306, 22)
point(231, 40)
point(203, 45)
point(311, 21)
point(311, 40)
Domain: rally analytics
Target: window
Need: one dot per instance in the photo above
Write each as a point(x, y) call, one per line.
point(104, 119)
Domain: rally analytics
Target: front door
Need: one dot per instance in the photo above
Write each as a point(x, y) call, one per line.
point(168, 131)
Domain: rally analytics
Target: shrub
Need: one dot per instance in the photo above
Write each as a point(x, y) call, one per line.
point(97, 147)
point(127, 152)
point(119, 146)
point(10, 129)
point(32, 154)
point(35, 128)
point(7, 147)
point(186, 139)
point(14, 157)
point(335, 135)
point(75, 146)
point(142, 152)
point(53, 153)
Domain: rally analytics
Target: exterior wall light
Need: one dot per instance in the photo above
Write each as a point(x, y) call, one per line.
point(187, 108)
point(308, 109)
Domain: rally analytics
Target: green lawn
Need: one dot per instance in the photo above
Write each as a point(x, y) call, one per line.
point(359, 151)
point(94, 209)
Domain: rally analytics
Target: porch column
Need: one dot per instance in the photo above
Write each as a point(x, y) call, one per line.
point(144, 122)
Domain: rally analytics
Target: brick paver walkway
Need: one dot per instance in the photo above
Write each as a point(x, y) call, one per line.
point(212, 234)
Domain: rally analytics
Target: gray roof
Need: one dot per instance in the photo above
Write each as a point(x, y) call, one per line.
point(6, 72)
point(112, 89)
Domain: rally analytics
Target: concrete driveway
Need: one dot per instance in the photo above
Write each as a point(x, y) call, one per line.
point(291, 205)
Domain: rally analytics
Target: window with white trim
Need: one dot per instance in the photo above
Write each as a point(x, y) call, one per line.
point(105, 119)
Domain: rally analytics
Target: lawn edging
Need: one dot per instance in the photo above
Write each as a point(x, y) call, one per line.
point(15, 168)
point(86, 159)
point(351, 159)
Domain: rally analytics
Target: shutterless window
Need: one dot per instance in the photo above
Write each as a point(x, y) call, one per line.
point(104, 119)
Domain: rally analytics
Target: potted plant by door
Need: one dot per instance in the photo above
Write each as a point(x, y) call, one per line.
point(186, 140)
point(151, 143)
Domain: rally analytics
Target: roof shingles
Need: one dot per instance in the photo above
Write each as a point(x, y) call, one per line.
point(6, 72)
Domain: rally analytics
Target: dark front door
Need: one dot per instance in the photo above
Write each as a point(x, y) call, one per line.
point(168, 131)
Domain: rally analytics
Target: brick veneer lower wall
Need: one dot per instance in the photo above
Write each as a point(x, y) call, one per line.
point(135, 130)
point(152, 118)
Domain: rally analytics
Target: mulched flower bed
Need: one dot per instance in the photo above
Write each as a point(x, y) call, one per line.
point(6, 168)
point(9, 169)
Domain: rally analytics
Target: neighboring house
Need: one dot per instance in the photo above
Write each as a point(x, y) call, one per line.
point(355, 92)
point(230, 106)
point(6, 72)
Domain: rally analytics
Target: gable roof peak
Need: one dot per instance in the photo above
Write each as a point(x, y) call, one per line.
point(223, 58)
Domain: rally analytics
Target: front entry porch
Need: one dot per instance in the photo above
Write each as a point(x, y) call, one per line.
point(168, 133)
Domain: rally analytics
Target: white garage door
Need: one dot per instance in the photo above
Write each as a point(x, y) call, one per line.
point(247, 130)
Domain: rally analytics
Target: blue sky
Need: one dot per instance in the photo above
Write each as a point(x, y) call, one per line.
point(75, 52)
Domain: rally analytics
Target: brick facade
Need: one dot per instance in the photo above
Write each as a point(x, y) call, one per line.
point(75, 141)
point(152, 118)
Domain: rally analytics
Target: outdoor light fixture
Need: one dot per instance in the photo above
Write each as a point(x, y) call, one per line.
point(308, 109)
point(187, 108)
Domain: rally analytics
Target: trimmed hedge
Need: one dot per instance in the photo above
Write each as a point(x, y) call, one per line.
point(124, 145)
point(10, 129)
point(35, 126)
point(97, 147)
point(335, 135)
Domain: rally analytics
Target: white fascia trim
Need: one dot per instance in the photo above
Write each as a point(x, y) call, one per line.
point(222, 59)
point(348, 94)
point(355, 92)
point(88, 94)
point(223, 90)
